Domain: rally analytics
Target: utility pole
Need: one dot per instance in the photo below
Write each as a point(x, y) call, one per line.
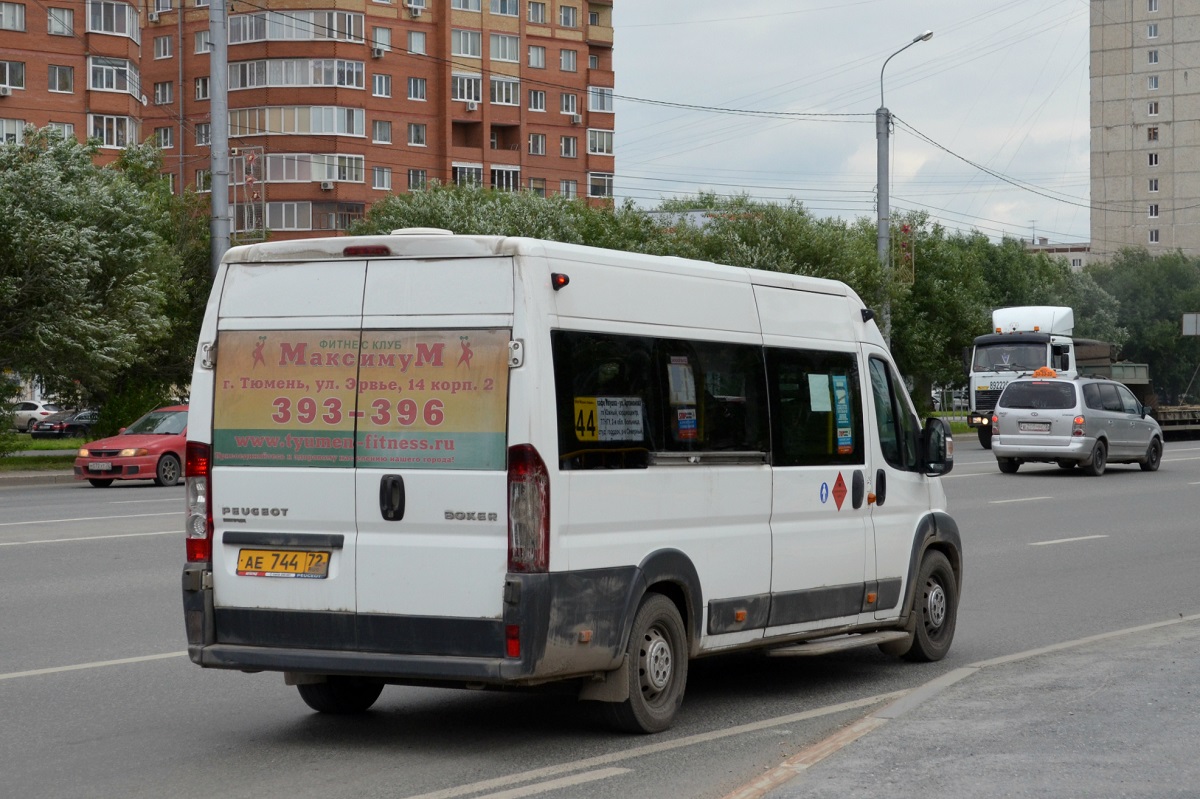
point(219, 226)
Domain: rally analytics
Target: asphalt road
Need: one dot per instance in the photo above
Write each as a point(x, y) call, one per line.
point(97, 698)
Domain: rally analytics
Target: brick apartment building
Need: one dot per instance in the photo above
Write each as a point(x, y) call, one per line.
point(332, 105)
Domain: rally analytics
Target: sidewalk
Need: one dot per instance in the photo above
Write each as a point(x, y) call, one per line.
point(1111, 716)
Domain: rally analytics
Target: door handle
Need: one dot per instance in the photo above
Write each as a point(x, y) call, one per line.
point(880, 487)
point(391, 497)
point(858, 489)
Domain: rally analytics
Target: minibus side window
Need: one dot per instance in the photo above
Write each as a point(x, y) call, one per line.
point(713, 396)
point(897, 426)
point(816, 408)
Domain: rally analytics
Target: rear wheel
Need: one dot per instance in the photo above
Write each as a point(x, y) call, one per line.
point(1095, 467)
point(1063, 463)
point(1008, 465)
point(985, 437)
point(98, 483)
point(1153, 456)
point(168, 471)
point(341, 695)
point(656, 665)
point(936, 608)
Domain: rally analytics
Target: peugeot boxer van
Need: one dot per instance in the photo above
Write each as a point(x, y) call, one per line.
point(430, 459)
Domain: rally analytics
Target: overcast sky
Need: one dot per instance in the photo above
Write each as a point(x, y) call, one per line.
point(1002, 84)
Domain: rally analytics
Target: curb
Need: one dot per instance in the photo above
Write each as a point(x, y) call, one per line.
point(35, 478)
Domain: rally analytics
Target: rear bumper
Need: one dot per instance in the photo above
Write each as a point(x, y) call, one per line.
point(1041, 448)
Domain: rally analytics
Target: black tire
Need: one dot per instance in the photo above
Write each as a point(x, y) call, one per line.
point(1008, 465)
point(985, 437)
point(29, 425)
point(936, 607)
point(168, 472)
point(1153, 456)
point(1063, 463)
point(341, 695)
point(1099, 460)
point(656, 666)
point(101, 483)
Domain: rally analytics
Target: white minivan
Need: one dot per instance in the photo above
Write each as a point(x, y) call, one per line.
point(479, 461)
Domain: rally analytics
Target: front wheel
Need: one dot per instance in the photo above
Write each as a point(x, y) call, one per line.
point(1095, 466)
point(168, 471)
point(1008, 465)
point(656, 665)
point(100, 483)
point(936, 609)
point(985, 437)
point(1153, 456)
point(341, 695)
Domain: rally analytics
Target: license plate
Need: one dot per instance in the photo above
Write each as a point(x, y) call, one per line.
point(100, 466)
point(283, 563)
point(1035, 427)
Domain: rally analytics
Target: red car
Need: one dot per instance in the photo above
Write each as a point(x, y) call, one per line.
point(149, 449)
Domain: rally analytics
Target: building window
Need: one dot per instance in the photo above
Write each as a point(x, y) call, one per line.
point(567, 104)
point(1154, 236)
point(568, 147)
point(295, 25)
point(1152, 57)
point(114, 75)
point(468, 44)
point(1152, 30)
point(538, 186)
point(466, 87)
point(508, 8)
point(201, 3)
point(381, 38)
point(289, 216)
point(1152, 185)
point(202, 92)
point(1152, 134)
point(381, 131)
point(114, 132)
point(381, 85)
point(381, 178)
point(203, 180)
point(593, 17)
point(416, 89)
point(1076, 263)
point(537, 57)
point(417, 179)
point(1151, 159)
point(1152, 6)
point(60, 21)
point(1152, 82)
point(506, 178)
point(568, 188)
point(162, 46)
point(567, 60)
point(600, 142)
point(162, 5)
point(203, 41)
point(568, 16)
point(119, 19)
point(537, 100)
point(600, 184)
point(506, 48)
point(64, 129)
point(600, 98)
point(467, 174)
point(465, 5)
point(416, 134)
point(593, 62)
point(537, 143)
point(203, 134)
point(12, 74)
point(506, 91)
point(1152, 108)
point(62, 79)
point(164, 93)
point(1153, 211)
point(537, 13)
point(12, 131)
point(416, 42)
point(164, 138)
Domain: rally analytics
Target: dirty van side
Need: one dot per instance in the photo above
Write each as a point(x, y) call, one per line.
point(429, 459)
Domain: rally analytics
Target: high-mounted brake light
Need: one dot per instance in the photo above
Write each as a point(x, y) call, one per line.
point(362, 250)
point(198, 487)
point(528, 511)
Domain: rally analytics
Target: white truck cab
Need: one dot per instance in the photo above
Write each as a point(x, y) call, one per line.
point(478, 461)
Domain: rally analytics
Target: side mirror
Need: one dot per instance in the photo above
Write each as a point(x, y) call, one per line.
point(937, 447)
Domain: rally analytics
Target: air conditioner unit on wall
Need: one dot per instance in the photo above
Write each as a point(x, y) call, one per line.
point(576, 119)
point(152, 16)
point(472, 105)
point(5, 91)
point(377, 52)
point(326, 185)
point(415, 11)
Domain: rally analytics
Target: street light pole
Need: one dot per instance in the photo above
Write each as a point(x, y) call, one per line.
point(883, 123)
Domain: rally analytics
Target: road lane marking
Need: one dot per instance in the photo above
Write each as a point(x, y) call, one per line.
point(553, 785)
point(90, 519)
point(97, 664)
point(1022, 499)
point(1065, 540)
point(655, 748)
point(180, 500)
point(86, 538)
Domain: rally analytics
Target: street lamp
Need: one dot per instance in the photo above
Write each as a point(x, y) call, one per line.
point(883, 123)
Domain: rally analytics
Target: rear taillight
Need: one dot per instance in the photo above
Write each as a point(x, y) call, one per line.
point(199, 507)
point(528, 511)
point(995, 425)
point(1077, 426)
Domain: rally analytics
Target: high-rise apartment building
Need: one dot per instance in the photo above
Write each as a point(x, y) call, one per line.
point(332, 104)
point(1145, 121)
